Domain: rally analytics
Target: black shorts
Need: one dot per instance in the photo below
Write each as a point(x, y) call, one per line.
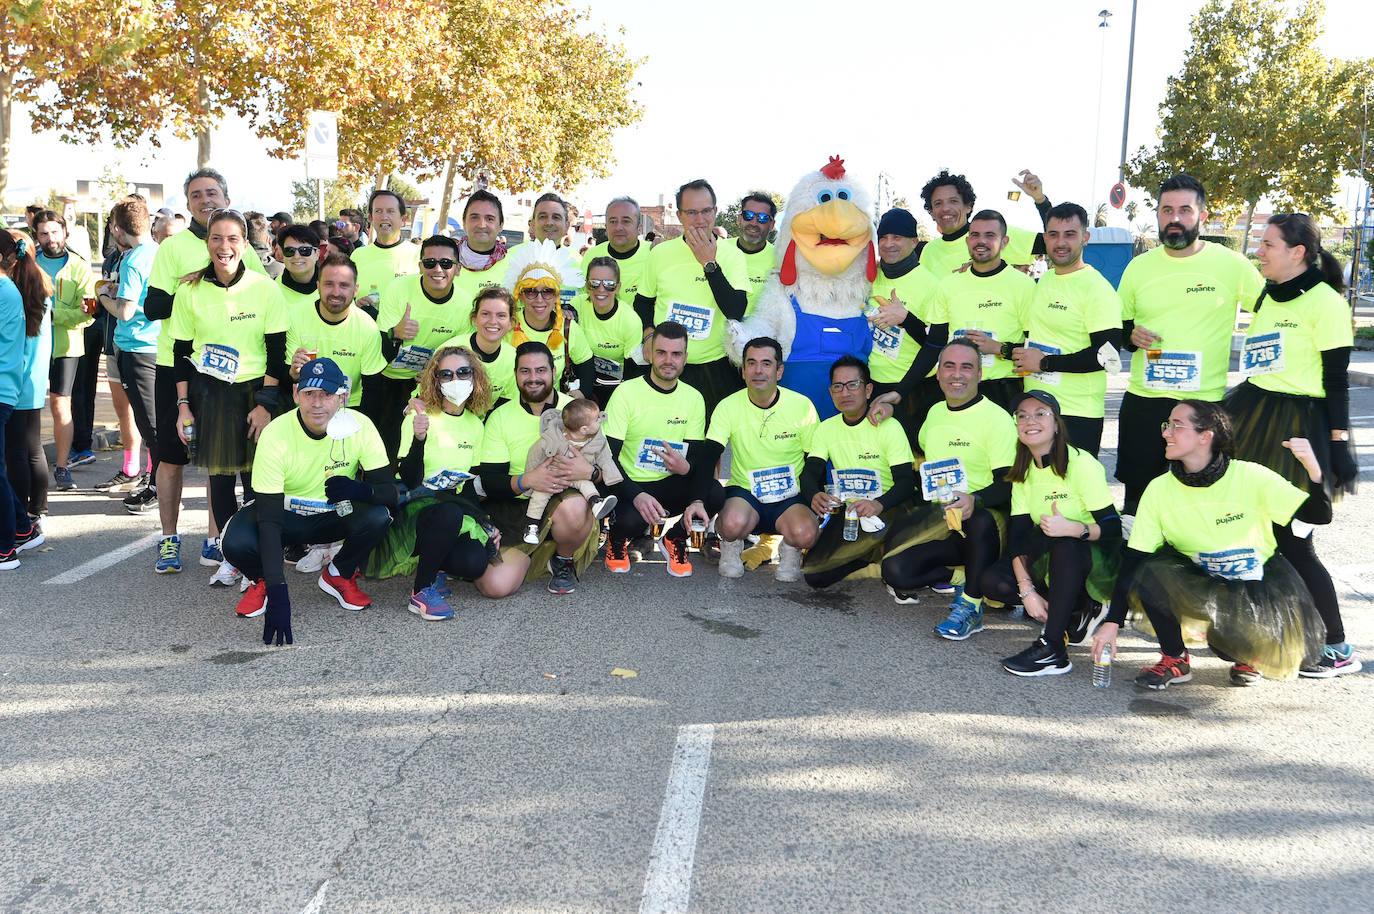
point(768, 512)
point(170, 450)
point(713, 380)
point(1139, 444)
point(62, 376)
point(138, 377)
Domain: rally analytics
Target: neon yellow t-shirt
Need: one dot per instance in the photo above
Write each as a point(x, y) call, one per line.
point(178, 257)
point(631, 272)
point(893, 349)
point(438, 322)
point(228, 326)
point(291, 463)
point(768, 444)
point(500, 366)
point(576, 344)
point(291, 298)
point(1191, 303)
point(1082, 491)
point(354, 343)
point(1227, 527)
point(1284, 345)
point(982, 435)
point(452, 442)
point(942, 257)
point(1066, 309)
point(996, 303)
point(71, 285)
point(510, 432)
point(638, 412)
point(861, 455)
point(759, 265)
point(678, 284)
point(379, 266)
point(468, 283)
point(610, 338)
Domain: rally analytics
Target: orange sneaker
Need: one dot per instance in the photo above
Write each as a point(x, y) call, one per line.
point(617, 555)
point(675, 551)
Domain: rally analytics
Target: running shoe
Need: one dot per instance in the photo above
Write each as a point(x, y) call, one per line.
point(9, 560)
point(30, 540)
point(210, 556)
point(1164, 673)
point(563, 575)
point(345, 589)
point(440, 585)
point(428, 605)
point(964, 619)
point(145, 499)
point(80, 459)
point(1243, 674)
point(731, 559)
point(1336, 660)
point(1085, 620)
point(319, 556)
point(601, 506)
point(532, 534)
point(674, 549)
point(119, 482)
point(168, 555)
point(226, 576)
point(254, 601)
point(901, 597)
point(944, 588)
point(789, 564)
point(1040, 659)
point(618, 556)
point(62, 479)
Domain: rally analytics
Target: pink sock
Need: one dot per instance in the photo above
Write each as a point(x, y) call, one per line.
point(149, 468)
point(131, 463)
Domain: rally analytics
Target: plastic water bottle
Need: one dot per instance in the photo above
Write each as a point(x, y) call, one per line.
point(1102, 668)
point(344, 508)
point(851, 523)
point(188, 428)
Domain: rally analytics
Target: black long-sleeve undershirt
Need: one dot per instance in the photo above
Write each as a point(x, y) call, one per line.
point(1084, 361)
point(933, 339)
point(732, 302)
point(1107, 519)
point(1336, 385)
point(271, 509)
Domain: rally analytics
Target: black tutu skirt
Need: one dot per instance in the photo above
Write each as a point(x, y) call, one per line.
point(221, 410)
point(1263, 420)
point(833, 551)
point(1271, 624)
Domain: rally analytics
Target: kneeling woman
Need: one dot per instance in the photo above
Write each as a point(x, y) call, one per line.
point(442, 531)
point(1065, 537)
point(1203, 554)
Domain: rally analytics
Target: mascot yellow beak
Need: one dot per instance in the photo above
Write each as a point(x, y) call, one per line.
point(831, 235)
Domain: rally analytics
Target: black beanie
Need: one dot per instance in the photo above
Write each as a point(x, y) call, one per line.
point(897, 222)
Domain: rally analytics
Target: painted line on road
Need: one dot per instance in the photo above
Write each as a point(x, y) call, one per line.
point(101, 562)
point(668, 884)
point(317, 903)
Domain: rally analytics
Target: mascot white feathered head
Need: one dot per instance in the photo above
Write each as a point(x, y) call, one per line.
point(542, 265)
point(826, 223)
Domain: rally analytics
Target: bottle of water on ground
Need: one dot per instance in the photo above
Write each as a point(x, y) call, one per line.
point(1102, 668)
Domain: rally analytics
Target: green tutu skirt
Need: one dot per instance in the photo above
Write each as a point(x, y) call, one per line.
point(395, 554)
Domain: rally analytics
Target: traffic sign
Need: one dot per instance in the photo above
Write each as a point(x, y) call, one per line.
point(322, 146)
point(1118, 195)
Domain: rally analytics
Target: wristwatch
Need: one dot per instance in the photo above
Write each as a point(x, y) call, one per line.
point(1087, 532)
point(710, 266)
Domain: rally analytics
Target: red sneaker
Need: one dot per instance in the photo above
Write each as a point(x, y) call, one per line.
point(254, 602)
point(345, 590)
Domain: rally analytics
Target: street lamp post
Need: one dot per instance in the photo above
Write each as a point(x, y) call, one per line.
point(1126, 118)
point(1101, 72)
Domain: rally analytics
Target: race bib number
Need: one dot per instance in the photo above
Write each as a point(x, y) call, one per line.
point(888, 342)
point(1167, 370)
point(608, 368)
point(448, 479)
point(695, 319)
point(985, 358)
point(649, 459)
point(941, 479)
point(305, 507)
point(773, 484)
point(1262, 354)
point(412, 358)
point(857, 483)
point(1051, 378)
point(220, 362)
point(1233, 564)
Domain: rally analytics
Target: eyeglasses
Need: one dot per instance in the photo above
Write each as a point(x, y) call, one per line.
point(846, 385)
point(462, 372)
point(539, 293)
point(225, 211)
point(1167, 426)
point(694, 213)
point(442, 263)
point(751, 216)
point(303, 250)
point(1040, 414)
point(608, 284)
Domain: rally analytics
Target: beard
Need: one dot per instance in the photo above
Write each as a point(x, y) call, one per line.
point(1177, 236)
point(532, 393)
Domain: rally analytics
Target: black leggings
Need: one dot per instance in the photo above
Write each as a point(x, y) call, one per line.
point(674, 493)
point(25, 463)
point(929, 563)
point(1070, 561)
point(223, 502)
point(1301, 553)
point(440, 550)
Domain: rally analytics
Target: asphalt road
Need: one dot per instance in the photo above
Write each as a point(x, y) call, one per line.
point(778, 750)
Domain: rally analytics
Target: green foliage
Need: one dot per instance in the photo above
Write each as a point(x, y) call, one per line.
point(1228, 239)
point(337, 195)
point(728, 216)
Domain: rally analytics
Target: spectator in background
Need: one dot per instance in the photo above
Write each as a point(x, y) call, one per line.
point(23, 328)
point(322, 229)
point(277, 221)
point(351, 226)
point(261, 242)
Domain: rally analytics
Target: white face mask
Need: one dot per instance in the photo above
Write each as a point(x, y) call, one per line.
point(456, 391)
point(343, 425)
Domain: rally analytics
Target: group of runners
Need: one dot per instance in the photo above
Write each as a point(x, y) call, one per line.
point(391, 411)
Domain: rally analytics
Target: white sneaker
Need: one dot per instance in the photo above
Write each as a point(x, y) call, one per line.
point(226, 576)
point(320, 555)
point(789, 564)
point(731, 562)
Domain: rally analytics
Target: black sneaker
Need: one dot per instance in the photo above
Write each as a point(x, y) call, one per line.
point(1167, 671)
point(290, 555)
point(30, 540)
point(145, 499)
point(119, 482)
point(1085, 620)
point(1040, 659)
point(564, 578)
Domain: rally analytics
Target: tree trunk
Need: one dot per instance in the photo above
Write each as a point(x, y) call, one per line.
point(6, 101)
point(203, 131)
point(380, 182)
point(1249, 220)
point(441, 220)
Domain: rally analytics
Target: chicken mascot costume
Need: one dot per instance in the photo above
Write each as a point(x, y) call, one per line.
point(814, 303)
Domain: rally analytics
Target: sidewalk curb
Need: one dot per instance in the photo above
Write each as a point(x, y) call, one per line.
point(103, 438)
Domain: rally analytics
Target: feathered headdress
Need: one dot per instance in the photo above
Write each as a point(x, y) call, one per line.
point(542, 264)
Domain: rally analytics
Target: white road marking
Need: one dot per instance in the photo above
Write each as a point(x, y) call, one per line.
point(101, 562)
point(668, 884)
point(317, 903)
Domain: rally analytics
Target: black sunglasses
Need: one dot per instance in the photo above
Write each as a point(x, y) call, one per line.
point(463, 372)
point(444, 263)
point(303, 250)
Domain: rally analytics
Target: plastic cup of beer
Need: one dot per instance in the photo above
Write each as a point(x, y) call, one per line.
point(698, 534)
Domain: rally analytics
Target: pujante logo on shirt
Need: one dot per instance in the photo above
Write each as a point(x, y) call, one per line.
point(989, 304)
point(1058, 306)
point(1056, 496)
point(960, 442)
point(676, 420)
point(248, 316)
point(1291, 325)
point(1200, 287)
point(1230, 518)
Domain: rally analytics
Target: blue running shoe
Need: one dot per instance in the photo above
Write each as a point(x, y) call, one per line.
point(945, 588)
point(80, 459)
point(210, 554)
point(168, 555)
point(964, 619)
point(428, 605)
point(440, 585)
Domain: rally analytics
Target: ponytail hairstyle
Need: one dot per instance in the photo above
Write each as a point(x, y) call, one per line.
point(16, 262)
point(1301, 229)
point(1211, 417)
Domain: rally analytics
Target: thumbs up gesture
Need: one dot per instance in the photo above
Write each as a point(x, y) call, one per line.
point(1056, 524)
point(408, 328)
